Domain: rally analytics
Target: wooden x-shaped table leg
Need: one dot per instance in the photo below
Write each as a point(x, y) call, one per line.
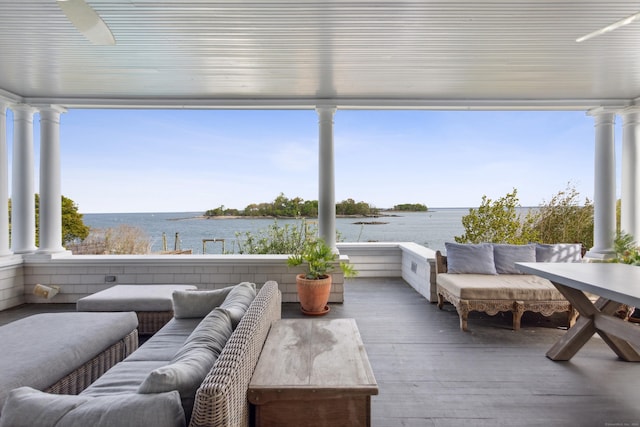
point(594, 318)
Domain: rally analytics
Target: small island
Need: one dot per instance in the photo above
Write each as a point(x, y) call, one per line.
point(283, 207)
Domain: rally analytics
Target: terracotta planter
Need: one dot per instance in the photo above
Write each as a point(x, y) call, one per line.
point(313, 294)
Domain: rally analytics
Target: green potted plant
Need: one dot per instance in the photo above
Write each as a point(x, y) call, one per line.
point(314, 286)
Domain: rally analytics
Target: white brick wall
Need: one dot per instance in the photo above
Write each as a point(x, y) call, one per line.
point(411, 261)
point(11, 282)
point(82, 275)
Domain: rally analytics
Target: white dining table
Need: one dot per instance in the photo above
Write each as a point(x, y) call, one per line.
point(614, 284)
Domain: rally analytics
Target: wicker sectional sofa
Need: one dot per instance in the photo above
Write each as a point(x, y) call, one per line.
point(163, 383)
point(485, 279)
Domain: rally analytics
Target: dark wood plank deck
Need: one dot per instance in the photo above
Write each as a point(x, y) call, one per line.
point(432, 374)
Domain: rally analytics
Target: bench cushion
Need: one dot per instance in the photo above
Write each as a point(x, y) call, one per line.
point(46, 347)
point(131, 298)
point(515, 287)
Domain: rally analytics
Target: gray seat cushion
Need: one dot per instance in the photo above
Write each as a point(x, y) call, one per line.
point(131, 298)
point(166, 342)
point(40, 350)
point(124, 377)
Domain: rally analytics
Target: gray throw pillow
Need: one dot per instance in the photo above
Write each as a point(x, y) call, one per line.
point(505, 257)
point(210, 335)
point(559, 252)
point(193, 361)
point(239, 300)
point(470, 258)
point(27, 407)
point(184, 377)
point(196, 303)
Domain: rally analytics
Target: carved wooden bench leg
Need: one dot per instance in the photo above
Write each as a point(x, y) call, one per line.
point(518, 311)
point(463, 312)
point(440, 301)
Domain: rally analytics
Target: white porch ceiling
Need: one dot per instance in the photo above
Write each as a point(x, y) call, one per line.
point(374, 53)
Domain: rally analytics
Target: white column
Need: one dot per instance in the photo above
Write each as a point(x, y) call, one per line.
point(4, 184)
point(23, 215)
point(326, 196)
point(50, 181)
point(630, 185)
point(604, 195)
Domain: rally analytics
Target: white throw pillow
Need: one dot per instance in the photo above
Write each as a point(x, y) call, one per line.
point(559, 252)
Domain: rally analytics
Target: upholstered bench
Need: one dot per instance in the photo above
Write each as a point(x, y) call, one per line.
point(484, 278)
point(152, 303)
point(63, 353)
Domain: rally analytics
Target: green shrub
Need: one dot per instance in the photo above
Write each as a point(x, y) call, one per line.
point(287, 239)
point(497, 222)
point(564, 220)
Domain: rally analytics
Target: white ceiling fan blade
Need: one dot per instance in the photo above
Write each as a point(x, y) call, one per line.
point(621, 23)
point(87, 21)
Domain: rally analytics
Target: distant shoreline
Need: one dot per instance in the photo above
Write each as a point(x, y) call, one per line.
point(223, 217)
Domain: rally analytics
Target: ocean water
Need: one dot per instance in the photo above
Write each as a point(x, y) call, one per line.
point(430, 229)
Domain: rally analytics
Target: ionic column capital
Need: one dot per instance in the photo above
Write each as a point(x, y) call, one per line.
point(603, 116)
point(325, 112)
point(630, 116)
point(50, 109)
point(21, 109)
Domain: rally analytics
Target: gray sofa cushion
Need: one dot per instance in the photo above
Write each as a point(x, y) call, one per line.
point(124, 377)
point(70, 340)
point(505, 257)
point(210, 335)
point(470, 258)
point(131, 298)
point(26, 407)
point(193, 362)
point(238, 300)
point(166, 342)
point(197, 303)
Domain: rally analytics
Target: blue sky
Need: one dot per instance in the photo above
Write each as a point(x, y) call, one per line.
point(194, 160)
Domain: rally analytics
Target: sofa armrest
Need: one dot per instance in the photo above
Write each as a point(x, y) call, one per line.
point(441, 263)
point(221, 400)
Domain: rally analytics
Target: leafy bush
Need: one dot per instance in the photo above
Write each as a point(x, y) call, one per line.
point(288, 239)
point(564, 220)
point(561, 220)
point(497, 222)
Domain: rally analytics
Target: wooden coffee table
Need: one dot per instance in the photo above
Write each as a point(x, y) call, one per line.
point(313, 372)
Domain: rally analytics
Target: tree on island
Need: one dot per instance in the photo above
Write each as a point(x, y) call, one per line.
point(410, 207)
point(283, 207)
